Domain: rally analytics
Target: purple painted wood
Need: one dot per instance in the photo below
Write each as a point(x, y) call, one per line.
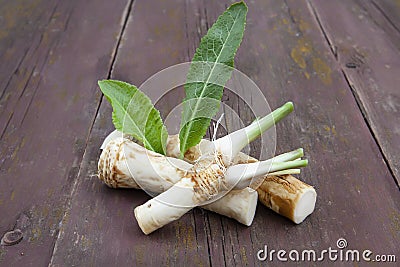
point(371, 67)
point(390, 9)
point(49, 149)
point(22, 31)
point(285, 52)
point(53, 98)
point(287, 55)
point(109, 227)
point(21, 23)
point(376, 12)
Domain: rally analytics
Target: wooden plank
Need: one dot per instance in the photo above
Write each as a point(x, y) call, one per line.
point(21, 22)
point(22, 29)
point(376, 14)
point(391, 10)
point(108, 227)
point(187, 241)
point(287, 55)
point(43, 143)
point(371, 66)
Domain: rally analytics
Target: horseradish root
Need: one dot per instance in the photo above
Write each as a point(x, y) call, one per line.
point(122, 160)
point(284, 194)
point(243, 211)
point(210, 174)
point(288, 196)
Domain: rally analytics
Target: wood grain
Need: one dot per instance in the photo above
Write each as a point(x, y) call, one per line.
point(391, 10)
point(377, 12)
point(373, 75)
point(53, 101)
point(109, 227)
point(286, 53)
point(21, 23)
point(25, 27)
point(53, 120)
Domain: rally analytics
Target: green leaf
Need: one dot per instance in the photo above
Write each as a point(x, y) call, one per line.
point(134, 114)
point(209, 71)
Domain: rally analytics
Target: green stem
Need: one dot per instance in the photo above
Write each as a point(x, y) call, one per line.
point(256, 169)
point(292, 155)
point(230, 145)
point(280, 166)
point(259, 126)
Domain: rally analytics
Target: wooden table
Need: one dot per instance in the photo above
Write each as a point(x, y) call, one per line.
point(338, 61)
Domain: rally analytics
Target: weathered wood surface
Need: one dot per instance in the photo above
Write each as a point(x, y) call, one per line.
point(391, 10)
point(384, 14)
point(47, 109)
point(287, 51)
point(371, 67)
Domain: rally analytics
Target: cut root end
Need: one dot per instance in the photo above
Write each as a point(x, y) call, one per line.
point(288, 196)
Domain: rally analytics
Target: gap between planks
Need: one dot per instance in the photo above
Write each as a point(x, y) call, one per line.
point(356, 96)
point(385, 15)
point(125, 16)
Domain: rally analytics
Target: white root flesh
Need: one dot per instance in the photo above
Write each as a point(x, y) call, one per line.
point(296, 207)
point(284, 194)
point(237, 204)
point(288, 196)
point(198, 187)
point(163, 209)
point(230, 145)
point(122, 159)
point(181, 198)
